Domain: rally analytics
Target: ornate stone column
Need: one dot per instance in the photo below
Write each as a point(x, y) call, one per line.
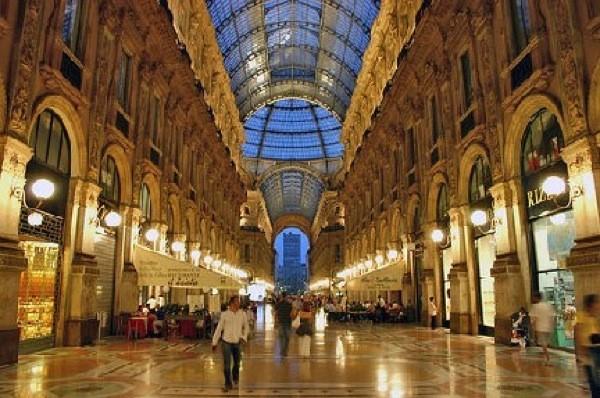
point(509, 290)
point(126, 295)
point(14, 155)
point(81, 326)
point(460, 314)
point(430, 276)
point(584, 260)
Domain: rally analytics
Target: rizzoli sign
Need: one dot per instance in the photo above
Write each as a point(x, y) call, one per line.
point(538, 202)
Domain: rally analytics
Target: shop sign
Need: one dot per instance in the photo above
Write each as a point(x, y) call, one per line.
point(538, 203)
point(155, 269)
point(389, 278)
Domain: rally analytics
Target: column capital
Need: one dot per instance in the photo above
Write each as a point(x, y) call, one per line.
point(502, 194)
point(579, 157)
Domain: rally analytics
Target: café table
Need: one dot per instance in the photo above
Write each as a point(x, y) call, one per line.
point(137, 326)
point(187, 327)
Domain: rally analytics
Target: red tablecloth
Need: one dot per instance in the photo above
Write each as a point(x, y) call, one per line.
point(137, 326)
point(187, 327)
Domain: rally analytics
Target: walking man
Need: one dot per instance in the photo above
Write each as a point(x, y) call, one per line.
point(432, 312)
point(542, 317)
point(285, 314)
point(232, 330)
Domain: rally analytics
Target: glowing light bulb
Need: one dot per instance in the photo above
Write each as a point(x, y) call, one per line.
point(479, 218)
point(112, 219)
point(379, 259)
point(195, 255)
point(208, 259)
point(178, 246)
point(554, 185)
point(35, 219)
point(392, 254)
point(42, 188)
point(152, 235)
point(437, 235)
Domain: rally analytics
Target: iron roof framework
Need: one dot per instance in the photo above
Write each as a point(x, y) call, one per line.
point(293, 48)
point(292, 191)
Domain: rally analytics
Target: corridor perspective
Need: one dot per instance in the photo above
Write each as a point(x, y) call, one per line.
point(347, 361)
point(423, 176)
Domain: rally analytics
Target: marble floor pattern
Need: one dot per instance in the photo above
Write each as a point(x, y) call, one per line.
point(348, 361)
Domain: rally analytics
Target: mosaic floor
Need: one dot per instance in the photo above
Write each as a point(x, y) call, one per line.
point(348, 361)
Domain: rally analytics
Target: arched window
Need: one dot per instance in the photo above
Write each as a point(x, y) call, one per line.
point(109, 180)
point(51, 160)
point(145, 203)
point(542, 143)
point(50, 143)
point(480, 180)
point(442, 205)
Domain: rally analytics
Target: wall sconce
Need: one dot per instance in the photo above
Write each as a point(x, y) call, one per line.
point(109, 217)
point(555, 186)
point(151, 234)
point(178, 246)
point(42, 189)
point(440, 237)
point(480, 218)
point(392, 254)
point(195, 255)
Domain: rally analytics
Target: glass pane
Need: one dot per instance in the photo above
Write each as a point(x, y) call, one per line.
point(520, 24)
point(465, 64)
point(446, 267)
point(65, 155)
point(486, 255)
point(56, 136)
point(36, 299)
point(43, 133)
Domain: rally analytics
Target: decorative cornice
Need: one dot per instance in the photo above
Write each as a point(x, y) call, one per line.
point(201, 44)
point(392, 29)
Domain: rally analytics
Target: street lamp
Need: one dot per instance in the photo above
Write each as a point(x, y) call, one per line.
point(151, 235)
point(42, 188)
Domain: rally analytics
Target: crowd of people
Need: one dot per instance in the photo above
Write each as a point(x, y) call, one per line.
point(377, 311)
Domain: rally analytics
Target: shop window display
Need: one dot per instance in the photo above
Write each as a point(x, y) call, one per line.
point(37, 290)
point(554, 237)
point(446, 266)
point(486, 255)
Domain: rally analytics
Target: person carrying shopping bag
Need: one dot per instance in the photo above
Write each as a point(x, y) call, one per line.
point(305, 330)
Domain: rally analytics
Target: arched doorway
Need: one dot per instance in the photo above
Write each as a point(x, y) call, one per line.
point(41, 231)
point(551, 221)
point(291, 266)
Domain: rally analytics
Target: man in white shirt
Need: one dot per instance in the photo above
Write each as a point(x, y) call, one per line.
point(151, 303)
point(542, 320)
point(232, 330)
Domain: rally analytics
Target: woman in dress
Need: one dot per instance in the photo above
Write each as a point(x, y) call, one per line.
point(305, 330)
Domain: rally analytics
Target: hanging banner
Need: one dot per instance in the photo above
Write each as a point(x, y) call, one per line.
point(389, 278)
point(156, 269)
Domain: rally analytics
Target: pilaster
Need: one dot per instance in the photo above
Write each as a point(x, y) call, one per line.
point(509, 289)
point(14, 155)
point(584, 260)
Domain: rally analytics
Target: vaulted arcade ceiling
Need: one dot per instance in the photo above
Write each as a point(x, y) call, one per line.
point(304, 77)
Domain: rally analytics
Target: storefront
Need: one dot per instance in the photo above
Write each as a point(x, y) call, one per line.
point(551, 221)
point(379, 282)
point(484, 244)
point(183, 281)
point(41, 232)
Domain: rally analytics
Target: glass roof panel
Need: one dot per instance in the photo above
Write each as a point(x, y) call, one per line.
point(293, 43)
point(293, 129)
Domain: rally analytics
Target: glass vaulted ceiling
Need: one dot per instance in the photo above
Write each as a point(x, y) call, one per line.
point(293, 48)
point(293, 66)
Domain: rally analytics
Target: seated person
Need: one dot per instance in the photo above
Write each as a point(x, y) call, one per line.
point(395, 306)
point(140, 311)
point(159, 322)
point(151, 320)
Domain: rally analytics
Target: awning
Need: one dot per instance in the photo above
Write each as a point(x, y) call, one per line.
point(156, 269)
point(389, 278)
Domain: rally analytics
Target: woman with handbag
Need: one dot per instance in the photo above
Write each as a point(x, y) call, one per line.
point(305, 330)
